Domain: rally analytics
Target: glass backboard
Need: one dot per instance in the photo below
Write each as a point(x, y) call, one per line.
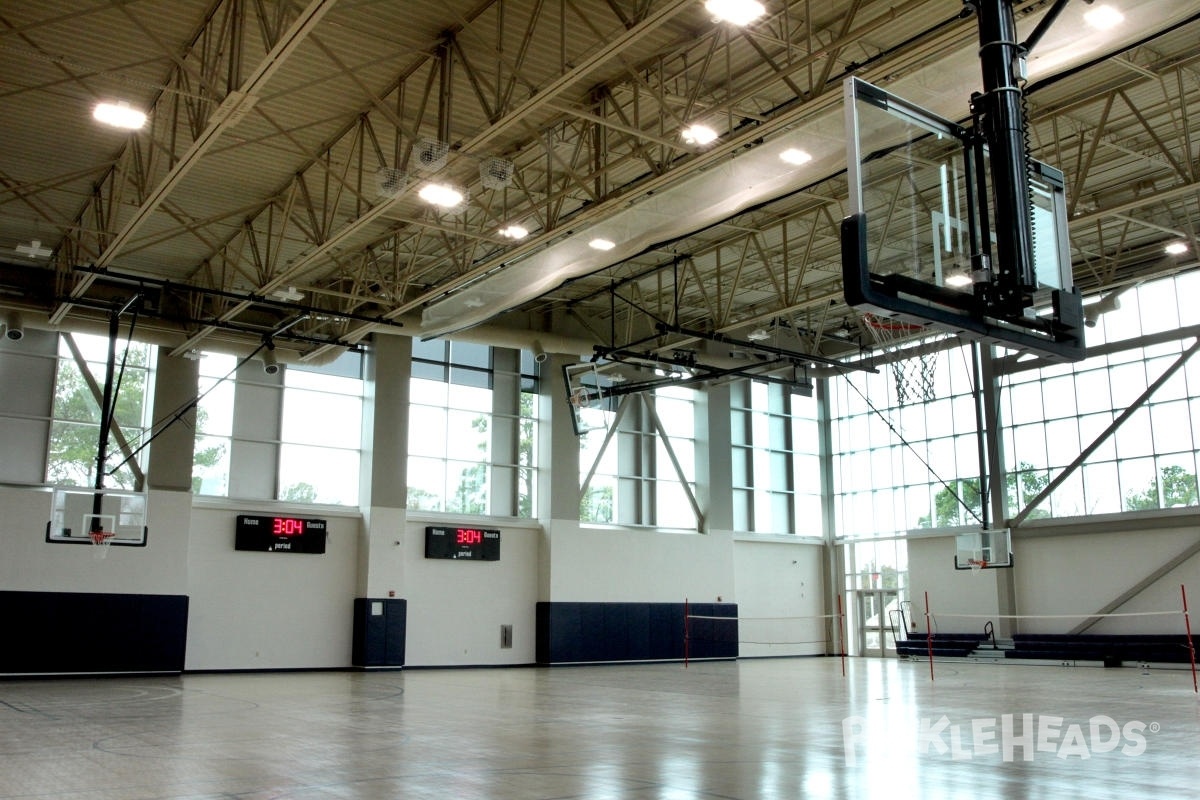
point(919, 243)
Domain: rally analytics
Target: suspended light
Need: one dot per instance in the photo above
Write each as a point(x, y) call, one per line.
point(735, 12)
point(1103, 18)
point(514, 232)
point(441, 195)
point(119, 115)
point(795, 157)
point(601, 244)
point(1176, 248)
point(699, 134)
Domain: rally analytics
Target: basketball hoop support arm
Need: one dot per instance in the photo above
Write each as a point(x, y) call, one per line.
point(1001, 107)
point(108, 406)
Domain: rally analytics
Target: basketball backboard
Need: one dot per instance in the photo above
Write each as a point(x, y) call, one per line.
point(589, 396)
point(990, 549)
point(920, 240)
point(74, 514)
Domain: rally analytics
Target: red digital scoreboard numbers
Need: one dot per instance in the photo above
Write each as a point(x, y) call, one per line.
point(462, 543)
point(280, 534)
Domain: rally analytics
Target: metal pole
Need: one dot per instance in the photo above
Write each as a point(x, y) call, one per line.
point(842, 632)
point(928, 636)
point(1187, 622)
point(1002, 104)
point(106, 415)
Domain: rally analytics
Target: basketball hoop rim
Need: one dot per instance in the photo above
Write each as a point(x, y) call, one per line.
point(884, 324)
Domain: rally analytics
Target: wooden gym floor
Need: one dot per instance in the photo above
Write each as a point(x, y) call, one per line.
point(755, 729)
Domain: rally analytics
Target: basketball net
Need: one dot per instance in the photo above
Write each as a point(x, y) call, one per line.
point(100, 541)
point(913, 375)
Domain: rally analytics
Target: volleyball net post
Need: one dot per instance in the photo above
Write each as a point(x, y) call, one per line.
point(842, 632)
point(1187, 626)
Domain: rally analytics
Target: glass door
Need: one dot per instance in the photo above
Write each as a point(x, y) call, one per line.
point(878, 610)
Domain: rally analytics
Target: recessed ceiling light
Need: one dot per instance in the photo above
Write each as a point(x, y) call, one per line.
point(514, 232)
point(119, 115)
point(601, 244)
point(736, 12)
point(441, 195)
point(794, 156)
point(1103, 18)
point(699, 134)
point(1176, 248)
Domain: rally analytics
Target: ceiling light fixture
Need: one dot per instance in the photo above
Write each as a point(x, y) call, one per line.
point(1103, 18)
point(759, 335)
point(601, 244)
point(699, 134)
point(35, 250)
point(119, 115)
point(795, 157)
point(514, 232)
point(441, 195)
point(1173, 249)
point(958, 279)
point(735, 12)
point(291, 294)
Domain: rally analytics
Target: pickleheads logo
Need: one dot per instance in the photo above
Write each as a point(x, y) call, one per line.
point(1008, 737)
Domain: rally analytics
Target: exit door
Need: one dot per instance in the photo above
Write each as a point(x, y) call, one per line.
point(877, 608)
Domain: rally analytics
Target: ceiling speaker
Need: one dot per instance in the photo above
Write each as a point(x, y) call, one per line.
point(429, 155)
point(390, 182)
point(495, 173)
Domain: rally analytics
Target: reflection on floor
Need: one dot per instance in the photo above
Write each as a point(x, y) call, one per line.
point(776, 728)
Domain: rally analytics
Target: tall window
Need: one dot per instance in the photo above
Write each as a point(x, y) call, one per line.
point(294, 435)
point(214, 425)
point(75, 427)
point(1049, 415)
point(899, 466)
point(1055, 412)
point(645, 472)
point(775, 460)
point(321, 432)
point(472, 430)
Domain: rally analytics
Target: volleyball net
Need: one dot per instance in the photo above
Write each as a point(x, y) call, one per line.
point(1160, 637)
point(767, 636)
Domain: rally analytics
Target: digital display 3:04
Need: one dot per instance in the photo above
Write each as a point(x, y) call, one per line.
point(280, 534)
point(462, 543)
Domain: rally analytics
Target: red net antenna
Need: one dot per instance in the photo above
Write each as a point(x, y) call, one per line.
point(912, 373)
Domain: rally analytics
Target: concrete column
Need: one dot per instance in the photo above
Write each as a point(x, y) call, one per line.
point(176, 383)
point(714, 469)
point(558, 447)
point(384, 493)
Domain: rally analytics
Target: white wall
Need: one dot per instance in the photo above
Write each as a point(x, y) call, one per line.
point(1080, 574)
point(456, 608)
point(269, 610)
point(1062, 575)
point(597, 564)
point(29, 563)
point(779, 586)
